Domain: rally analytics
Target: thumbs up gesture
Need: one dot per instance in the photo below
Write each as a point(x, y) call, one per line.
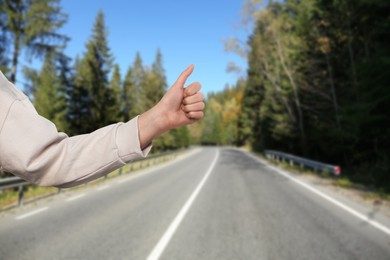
point(180, 106)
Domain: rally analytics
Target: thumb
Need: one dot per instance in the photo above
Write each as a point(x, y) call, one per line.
point(181, 80)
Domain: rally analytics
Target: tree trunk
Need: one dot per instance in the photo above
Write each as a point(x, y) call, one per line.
point(15, 57)
point(296, 96)
point(333, 91)
point(278, 89)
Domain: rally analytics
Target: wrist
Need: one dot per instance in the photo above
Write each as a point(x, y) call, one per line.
point(151, 124)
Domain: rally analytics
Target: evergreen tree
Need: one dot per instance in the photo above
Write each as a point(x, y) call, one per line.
point(249, 122)
point(33, 25)
point(138, 75)
point(129, 96)
point(3, 40)
point(91, 80)
point(153, 84)
point(49, 97)
point(159, 72)
point(79, 99)
point(115, 107)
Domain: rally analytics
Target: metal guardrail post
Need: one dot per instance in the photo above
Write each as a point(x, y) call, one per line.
point(20, 195)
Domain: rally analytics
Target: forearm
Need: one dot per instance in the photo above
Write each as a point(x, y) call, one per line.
point(32, 148)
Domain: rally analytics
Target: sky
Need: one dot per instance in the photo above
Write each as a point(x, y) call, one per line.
point(186, 32)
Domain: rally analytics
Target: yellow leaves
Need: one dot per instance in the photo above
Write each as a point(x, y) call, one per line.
point(324, 44)
point(239, 96)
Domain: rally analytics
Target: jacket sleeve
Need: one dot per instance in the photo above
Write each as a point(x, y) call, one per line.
point(33, 149)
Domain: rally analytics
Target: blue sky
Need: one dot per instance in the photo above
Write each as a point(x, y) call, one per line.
point(185, 31)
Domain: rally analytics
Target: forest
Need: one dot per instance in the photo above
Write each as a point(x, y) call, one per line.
point(317, 82)
point(317, 85)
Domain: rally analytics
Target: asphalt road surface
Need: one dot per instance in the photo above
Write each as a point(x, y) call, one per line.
point(213, 203)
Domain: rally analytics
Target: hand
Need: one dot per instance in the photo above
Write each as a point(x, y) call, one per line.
point(180, 106)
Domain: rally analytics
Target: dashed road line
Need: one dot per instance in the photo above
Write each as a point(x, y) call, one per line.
point(102, 187)
point(159, 167)
point(32, 213)
point(76, 197)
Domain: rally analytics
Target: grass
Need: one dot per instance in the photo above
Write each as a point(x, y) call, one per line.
point(344, 182)
point(8, 198)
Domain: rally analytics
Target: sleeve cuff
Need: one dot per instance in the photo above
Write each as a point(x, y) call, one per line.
point(127, 141)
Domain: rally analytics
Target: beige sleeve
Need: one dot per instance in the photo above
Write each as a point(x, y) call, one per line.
point(31, 148)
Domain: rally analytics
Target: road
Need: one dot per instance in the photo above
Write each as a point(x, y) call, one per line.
point(213, 203)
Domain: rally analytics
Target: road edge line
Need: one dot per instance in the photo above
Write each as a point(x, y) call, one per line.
point(334, 201)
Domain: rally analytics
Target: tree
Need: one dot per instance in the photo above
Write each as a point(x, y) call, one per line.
point(129, 96)
point(79, 97)
point(48, 92)
point(249, 121)
point(91, 80)
point(138, 75)
point(3, 40)
point(115, 106)
point(153, 84)
point(222, 113)
point(33, 25)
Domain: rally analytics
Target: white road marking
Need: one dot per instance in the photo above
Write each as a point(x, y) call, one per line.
point(147, 171)
point(76, 197)
point(164, 240)
point(341, 205)
point(102, 187)
point(31, 213)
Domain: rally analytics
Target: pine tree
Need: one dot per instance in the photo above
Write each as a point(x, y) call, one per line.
point(249, 122)
point(159, 72)
point(115, 107)
point(138, 75)
point(91, 80)
point(33, 25)
point(79, 98)
point(3, 40)
point(49, 96)
point(129, 96)
point(153, 84)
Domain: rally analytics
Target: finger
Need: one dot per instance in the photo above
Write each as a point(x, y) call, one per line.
point(195, 115)
point(181, 80)
point(192, 89)
point(198, 97)
point(193, 107)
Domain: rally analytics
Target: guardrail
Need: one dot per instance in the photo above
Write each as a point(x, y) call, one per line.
point(16, 182)
point(303, 162)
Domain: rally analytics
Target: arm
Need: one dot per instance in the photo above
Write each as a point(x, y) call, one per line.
point(32, 148)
